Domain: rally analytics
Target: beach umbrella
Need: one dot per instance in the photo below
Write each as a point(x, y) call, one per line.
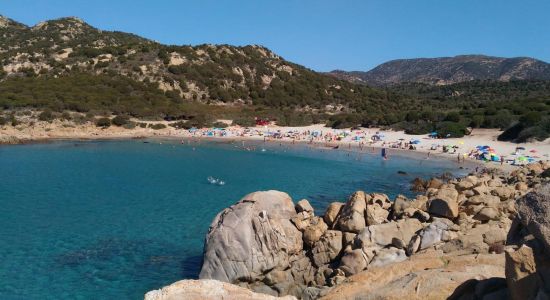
point(520, 148)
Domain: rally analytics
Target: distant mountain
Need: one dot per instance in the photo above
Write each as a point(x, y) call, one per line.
point(450, 70)
point(58, 55)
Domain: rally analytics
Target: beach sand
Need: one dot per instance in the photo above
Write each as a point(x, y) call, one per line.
point(43, 131)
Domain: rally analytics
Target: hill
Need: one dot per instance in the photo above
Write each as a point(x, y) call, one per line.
point(450, 70)
point(68, 49)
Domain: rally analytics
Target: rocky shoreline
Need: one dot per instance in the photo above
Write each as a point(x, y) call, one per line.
point(483, 236)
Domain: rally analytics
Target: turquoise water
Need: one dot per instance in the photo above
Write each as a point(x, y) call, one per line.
point(114, 219)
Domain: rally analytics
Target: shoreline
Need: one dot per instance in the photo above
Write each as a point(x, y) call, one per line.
point(43, 132)
point(467, 164)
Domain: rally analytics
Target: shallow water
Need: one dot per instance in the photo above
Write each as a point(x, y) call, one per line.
point(114, 219)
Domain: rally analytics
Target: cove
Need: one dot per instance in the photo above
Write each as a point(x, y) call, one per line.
point(115, 219)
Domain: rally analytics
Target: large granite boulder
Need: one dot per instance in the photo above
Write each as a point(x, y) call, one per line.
point(352, 215)
point(327, 248)
point(424, 276)
point(383, 235)
point(250, 238)
point(207, 290)
point(444, 203)
point(528, 266)
point(333, 210)
point(534, 214)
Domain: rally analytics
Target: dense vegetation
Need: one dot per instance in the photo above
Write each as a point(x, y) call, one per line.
point(523, 105)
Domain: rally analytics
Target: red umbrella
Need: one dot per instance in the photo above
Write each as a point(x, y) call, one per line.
point(533, 151)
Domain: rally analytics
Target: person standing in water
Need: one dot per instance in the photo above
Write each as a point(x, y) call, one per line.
point(384, 154)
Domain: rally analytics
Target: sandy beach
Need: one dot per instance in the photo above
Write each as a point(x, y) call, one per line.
point(341, 138)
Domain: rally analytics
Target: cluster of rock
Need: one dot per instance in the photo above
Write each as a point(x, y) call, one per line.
point(528, 253)
point(269, 245)
point(452, 241)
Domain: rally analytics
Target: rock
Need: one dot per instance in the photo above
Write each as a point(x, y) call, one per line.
point(322, 274)
point(487, 213)
point(534, 168)
point(464, 185)
point(314, 231)
point(353, 262)
point(481, 190)
point(207, 290)
point(528, 268)
point(348, 238)
point(520, 273)
point(494, 183)
point(418, 185)
point(301, 220)
point(399, 205)
point(352, 215)
point(383, 235)
point(474, 180)
point(423, 276)
point(414, 245)
point(388, 256)
point(375, 215)
point(302, 271)
point(495, 235)
point(534, 213)
point(312, 293)
point(485, 289)
point(332, 213)
point(433, 234)
point(434, 183)
point(380, 199)
point(486, 200)
point(327, 248)
point(422, 216)
point(504, 193)
point(303, 205)
point(420, 203)
point(444, 203)
point(521, 186)
point(251, 237)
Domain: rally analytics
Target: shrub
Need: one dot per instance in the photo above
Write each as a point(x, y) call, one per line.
point(219, 125)
point(244, 122)
point(129, 125)
point(450, 129)
point(200, 121)
point(120, 120)
point(103, 122)
point(46, 115)
point(13, 120)
point(3, 121)
point(452, 117)
point(416, 127)
point(180, 125)
point(66, 116)
point(157, 126)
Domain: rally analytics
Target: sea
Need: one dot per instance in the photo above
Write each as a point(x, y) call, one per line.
point(115, 219)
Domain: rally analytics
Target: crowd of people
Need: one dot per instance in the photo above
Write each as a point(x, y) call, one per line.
point(362, 138)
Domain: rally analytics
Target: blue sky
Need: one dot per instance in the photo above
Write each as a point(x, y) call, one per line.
point(321, 34)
